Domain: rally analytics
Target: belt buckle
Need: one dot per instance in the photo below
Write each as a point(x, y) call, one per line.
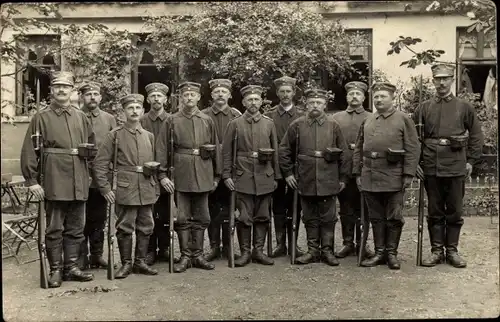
point(443, 142)
point(196, 151)
point(352, 146)
point(254, 154)
point(318, 154)
point(74, 151)
point(374, 155)
point(139, 169)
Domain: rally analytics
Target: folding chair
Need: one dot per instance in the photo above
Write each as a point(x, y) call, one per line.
point(19, 222)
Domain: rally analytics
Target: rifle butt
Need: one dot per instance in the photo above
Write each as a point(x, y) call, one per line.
point(420, 224)
point(44, 272)
point(232, 206)
point(293, 253)
point(111, 248)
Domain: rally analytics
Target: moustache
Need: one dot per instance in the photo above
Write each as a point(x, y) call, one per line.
point(135, 114)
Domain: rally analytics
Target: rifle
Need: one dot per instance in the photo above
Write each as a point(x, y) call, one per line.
point(232, 203)
point(420, 129)
point(42, 248)
point(171, 203)
point(362, 229)
point(111, 213)
point(295, 201)
point(270, 230)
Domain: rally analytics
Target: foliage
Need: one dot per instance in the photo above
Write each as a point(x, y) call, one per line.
point(252, 42)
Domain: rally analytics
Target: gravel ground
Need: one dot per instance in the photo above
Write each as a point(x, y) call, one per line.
point(282, 291)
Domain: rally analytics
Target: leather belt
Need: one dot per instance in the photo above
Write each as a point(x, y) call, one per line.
point(188, 151)
point(251, 154)
point(374, 155)
point(441, 141)
point(352, 146)
point(130, 168)
point(61, 151)
point(314, 154)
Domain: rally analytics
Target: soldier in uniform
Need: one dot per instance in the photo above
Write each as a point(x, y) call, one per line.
point(384, 163)
point(95, 217)
point(323, 168)
point(197, 173)
point(257, 172)
point(152, 122)
point(448, 157)
point(137, 189)
point(282, 115)
point(66, 178)
point(218, 201)
point(349, 199)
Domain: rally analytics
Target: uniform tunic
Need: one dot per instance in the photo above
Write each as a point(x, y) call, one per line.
point(392, 129)
point(221, 118)
point(135, 147)
point(316, 177)
point(66, 177)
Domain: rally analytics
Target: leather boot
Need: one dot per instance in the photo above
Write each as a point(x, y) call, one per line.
point(225, 241)
point(83, 260)
point(393, 237)
point(348, 248)
point(197, 258)
point(280, 231)
point(368, 252)
point(436, 236)
point(125, 247)
point(298, 251)
point(151, 255)
point(313, 241)
point(327, 233)
point(54, 255)
point(245, 240)
point(184, 246)
point(259, 238)
point(378, 229)
point(96, 250)
point(452, 237)
point(141, 249)
point(163, 245)
point(71, 270)
point(214, 238)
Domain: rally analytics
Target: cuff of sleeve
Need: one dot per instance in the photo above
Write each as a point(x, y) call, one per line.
point(288, 173)
point(161, 176)
point(226, 176)
point(409, 172)
point(31, 182)
point(105, 190)
point(471, 161)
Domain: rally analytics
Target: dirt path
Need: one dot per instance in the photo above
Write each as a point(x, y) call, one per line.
point(281, 291)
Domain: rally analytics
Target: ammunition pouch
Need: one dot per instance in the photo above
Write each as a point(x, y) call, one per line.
point(265, 155)
point(458, 142)
point(87, 151)
point(150, 168)
point(207, 151)
point(395, 156)
point(332, 154)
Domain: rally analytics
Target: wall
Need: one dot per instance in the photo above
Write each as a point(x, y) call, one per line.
point(12, 140)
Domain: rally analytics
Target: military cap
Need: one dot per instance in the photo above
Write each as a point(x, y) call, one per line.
point(220, 82)
point(131, 98)
point(90, 86)
point(157, 87)
point(63, 78)
point(316, 93)
point(251, 89)
point(189, 86)
point(383, 86)
point(285, 80)
point(443, 70)
point(360, 86)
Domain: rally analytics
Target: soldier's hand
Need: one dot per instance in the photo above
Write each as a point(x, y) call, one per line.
point(275, 185)
point(342, 185)
point(229, 184)
point(358, 182)
point(37, 191)
point(468, 167)
point(420, 173)
point(216, 183)
point(407, 181)
point(168, 185)
point(290, 180)
point(110, 197)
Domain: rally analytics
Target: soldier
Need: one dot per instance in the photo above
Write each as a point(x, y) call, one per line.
point(282, 115)
point(218, 201)
point(448, 157)
point(137, 189)
point(152, 122)
point(349, 199)
point(257, 172)
point(384, 163)
point(66, 185)
point(197, 163)
point(95, 216)
point(322, 171)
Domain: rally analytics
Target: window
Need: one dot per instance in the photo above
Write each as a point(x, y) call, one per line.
point(146, 71)
point(476, 55)
point(42, 57)
point(360, 51)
